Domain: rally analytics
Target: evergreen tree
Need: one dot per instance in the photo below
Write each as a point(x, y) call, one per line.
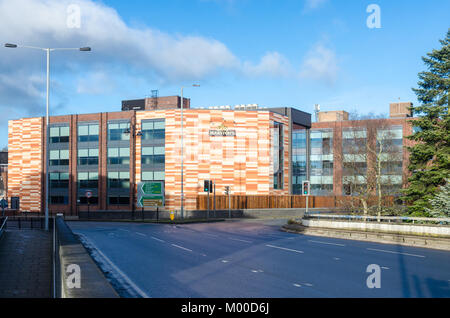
point(430, 156)
point(441, 202)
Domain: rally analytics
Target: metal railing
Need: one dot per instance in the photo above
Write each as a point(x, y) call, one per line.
point(26, 222)
point(371, 218)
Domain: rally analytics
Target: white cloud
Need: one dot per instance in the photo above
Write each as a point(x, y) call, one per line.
point(272, 64)
point(320, 64)
point(314, 4)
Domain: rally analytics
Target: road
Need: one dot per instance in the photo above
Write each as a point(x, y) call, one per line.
point(254, 259)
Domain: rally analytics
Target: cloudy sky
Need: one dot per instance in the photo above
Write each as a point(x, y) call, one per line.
point(273, 53)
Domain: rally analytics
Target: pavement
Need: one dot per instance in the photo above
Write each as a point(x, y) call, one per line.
point(254, 259)
point(25, 264)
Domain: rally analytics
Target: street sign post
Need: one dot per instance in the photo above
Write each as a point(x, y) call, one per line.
point(88, 195)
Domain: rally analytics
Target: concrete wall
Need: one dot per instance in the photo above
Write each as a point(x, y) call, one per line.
point(427, 230)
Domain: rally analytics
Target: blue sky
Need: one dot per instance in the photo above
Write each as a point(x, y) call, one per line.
point(273, 53)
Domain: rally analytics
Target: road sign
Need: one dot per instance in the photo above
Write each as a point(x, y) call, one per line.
point(150, 194)
point(88, 194)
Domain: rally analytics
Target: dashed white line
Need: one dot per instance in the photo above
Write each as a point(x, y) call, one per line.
point(297, 285)
point(384, 267)
point(239, 240)
point(336, 258)
point(124, 230)
point(213, 235)
point(181, 247)
point(141, 234)
point(308, 284)
point(157, 239)
point(285, 249)
point(393, 252)
point(327, 243)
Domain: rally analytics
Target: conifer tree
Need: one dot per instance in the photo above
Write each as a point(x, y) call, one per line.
point(430, 155)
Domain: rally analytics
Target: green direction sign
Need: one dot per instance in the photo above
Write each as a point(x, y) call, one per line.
point(152, 188)
point(150, 194)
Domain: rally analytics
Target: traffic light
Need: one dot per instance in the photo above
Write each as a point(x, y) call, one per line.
point(208, 186)
point(227, 190)
point(306, 189)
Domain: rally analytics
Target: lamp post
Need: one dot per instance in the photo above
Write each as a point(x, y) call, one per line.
point(47, 50)
point(182, 151)
point(132, 131)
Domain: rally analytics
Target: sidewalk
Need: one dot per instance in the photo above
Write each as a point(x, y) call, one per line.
point(25, 264)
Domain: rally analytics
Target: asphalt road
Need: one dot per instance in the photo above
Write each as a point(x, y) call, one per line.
point(255, 259)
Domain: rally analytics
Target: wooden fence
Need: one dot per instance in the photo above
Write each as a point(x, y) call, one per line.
point(284, 202)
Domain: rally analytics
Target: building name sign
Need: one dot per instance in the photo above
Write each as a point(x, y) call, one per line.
point(222, 131)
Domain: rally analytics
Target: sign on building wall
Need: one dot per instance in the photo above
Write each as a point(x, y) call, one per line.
point(150, 194)
point(222, 131)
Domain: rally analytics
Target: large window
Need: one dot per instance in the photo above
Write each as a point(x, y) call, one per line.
point(88, 180)
point(278, 156)
point(299, 158)
point(153, 130)
point(87, 157)
point(153, 155)
point(118, 131)
point(88, 132)
point(59, 134)
point(354, 148)
point(59, 180)
point(118, 180)
point(59, 157)
point(321, 162)
point(119, 156)
point(153, 176)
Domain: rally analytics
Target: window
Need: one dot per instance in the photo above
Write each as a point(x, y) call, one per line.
point(153, 155)
point(59, 180)
point(118, 180)
point(59, 199)
point(88, 157)
point(119, 156)
point(59, 157)
point(153, 130)
point(118, 200)
point(88, 180)
point(84, 200)
point(116, 131)
point(59, 134)
point(278, 157)
point(88, 132)
point(153, 176)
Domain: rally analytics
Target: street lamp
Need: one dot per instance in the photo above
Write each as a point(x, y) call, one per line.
point(182, 151)
point(132, 132)
point(47, 50)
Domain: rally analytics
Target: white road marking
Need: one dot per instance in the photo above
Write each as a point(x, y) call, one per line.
point(124, 230)
point(121, 273)
point(141, 234)
point(285, 249)
point(213, 235)
point(297, 285)
point(155, 238)
point(393, 252)
point(224, 261)
point(336, 258)
point(239, 240)
point(320, 242)
point(384, 267)
point(308, 284)
point(183, 248)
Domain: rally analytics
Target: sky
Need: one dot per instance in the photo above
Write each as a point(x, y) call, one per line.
point(293, 53)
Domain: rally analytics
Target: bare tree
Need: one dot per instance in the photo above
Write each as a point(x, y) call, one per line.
point(372, 162)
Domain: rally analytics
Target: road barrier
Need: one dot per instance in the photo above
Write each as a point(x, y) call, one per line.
point(72, 265)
